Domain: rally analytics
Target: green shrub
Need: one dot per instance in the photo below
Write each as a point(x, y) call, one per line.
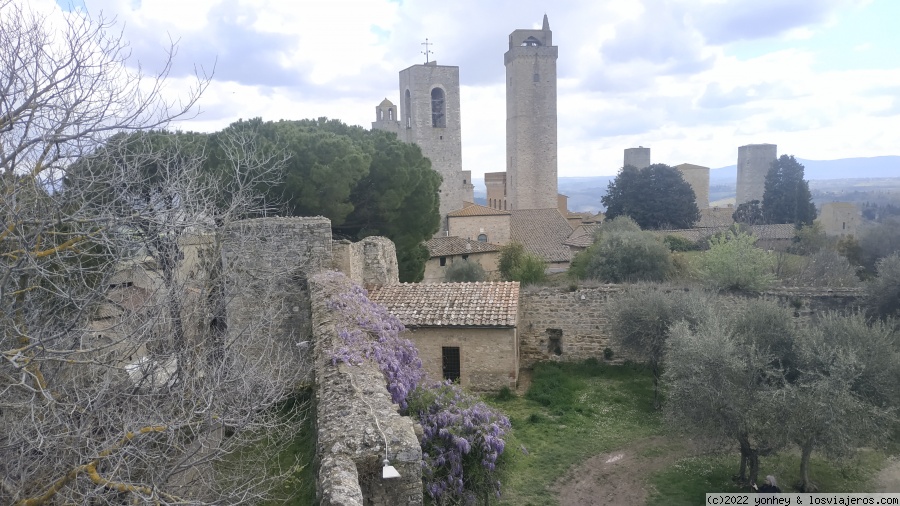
point(826, 268)
point(678, 243)
point(619, 224)
point(808, 239)
point(516, 264)
point(733, 262)
point(883, 292)
point(464, 271)
point(629, 256)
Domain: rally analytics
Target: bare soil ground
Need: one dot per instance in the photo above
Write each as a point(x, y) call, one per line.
point(888, 480)
point(619, 477)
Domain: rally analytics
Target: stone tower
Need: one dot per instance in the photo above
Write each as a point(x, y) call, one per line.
point(637, 157)
point(698, 177)
point(429, 116)
point(754, 162)
point(531, 119)
point(386, 117)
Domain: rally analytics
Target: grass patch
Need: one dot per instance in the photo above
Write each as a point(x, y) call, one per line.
point(570, 413)
point(575, 411)
point(687, 482)
point(287, 459)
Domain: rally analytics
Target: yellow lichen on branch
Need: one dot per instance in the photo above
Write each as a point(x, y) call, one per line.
point(91, 469)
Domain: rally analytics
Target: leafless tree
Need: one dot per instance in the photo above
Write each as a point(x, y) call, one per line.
point(119, 381)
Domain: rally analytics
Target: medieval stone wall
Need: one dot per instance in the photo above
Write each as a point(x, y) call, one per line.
point(561, 325)
point(495, 227)
point(356, 420)
point(371, 261)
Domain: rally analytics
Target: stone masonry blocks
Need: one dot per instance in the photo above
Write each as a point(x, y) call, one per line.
point(754, 162)
point(637, 157)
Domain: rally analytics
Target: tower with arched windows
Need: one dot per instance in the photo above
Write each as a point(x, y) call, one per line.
point(430, 118)
point(531, 157)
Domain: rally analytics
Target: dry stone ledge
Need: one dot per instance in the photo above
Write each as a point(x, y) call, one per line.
point(355, 417)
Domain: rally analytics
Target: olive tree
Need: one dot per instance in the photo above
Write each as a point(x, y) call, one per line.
point(720, 383)
point(844, 395)
point(119, 379)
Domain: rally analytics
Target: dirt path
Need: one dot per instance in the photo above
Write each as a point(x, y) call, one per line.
point(888, 480)
point(619, 477)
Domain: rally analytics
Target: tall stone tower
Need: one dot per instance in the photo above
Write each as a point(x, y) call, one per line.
point(637, 157)
point(698, 177)
point(429, 116)
point(754, 162)
point(531, 157)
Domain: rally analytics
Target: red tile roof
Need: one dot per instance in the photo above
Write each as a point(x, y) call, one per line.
point(477, 210)
point(490, 304)
point(542, 232)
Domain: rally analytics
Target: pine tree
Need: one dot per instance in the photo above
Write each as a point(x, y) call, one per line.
point(787, 198)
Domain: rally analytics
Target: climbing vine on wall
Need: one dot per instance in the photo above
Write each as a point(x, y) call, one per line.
point(463, 438)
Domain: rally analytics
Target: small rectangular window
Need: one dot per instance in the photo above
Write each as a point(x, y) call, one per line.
point(450, 362)
point(537, 78)
point(465, 257)
point(443, 261)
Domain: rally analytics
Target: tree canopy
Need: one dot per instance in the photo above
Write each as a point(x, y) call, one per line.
point(786, 198)
point(366, 182)
point(655, 197)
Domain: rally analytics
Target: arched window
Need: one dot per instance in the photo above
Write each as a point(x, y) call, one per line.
point(438, 109)
point(391, 114)
point(482, 238)
point(406, 111)
point(380, 115)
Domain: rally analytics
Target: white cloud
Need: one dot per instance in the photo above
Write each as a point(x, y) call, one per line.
point(658, 73)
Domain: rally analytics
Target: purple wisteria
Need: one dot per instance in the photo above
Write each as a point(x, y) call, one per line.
point(463, 437)
point(368, 331)
point(462, 444)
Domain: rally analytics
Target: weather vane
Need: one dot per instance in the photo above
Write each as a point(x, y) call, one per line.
point(427, 51)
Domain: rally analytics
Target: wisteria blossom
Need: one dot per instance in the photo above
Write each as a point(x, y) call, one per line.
point(463, 437)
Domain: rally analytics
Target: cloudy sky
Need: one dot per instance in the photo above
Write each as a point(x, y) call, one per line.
point(692, 79)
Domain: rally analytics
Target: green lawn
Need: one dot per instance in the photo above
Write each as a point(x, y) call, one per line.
point(571, 412)
point(575, 411)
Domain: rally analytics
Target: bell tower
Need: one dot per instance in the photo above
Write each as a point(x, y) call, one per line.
point(531, 147)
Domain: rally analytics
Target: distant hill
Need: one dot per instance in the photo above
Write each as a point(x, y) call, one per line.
point(845, 168)
point(585, 192)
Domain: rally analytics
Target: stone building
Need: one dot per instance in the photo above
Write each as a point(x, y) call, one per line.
point(531, 146)
point(444, 252)
point(754, 162)
point(429, 116)
point(638, 157)
point(480, 223)
point(839, 219)
point(698, 178)
point(466, 332)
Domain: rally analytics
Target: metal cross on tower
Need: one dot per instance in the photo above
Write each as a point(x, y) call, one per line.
point(427, 51)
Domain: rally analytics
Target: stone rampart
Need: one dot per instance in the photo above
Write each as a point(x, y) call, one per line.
point(371, 261)
point(558, 324)
point(355, 420)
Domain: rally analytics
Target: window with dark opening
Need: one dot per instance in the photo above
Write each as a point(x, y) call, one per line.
point(391, 114)
point(482, 238)
point(537, 77)
point(450, 362)
point(406, 110)
point(443, 261)
point(438, 109)
point(465, 257)
point(554, 341)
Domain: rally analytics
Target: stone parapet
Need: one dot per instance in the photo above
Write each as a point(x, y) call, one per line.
point(558, 324)
point(355, 419)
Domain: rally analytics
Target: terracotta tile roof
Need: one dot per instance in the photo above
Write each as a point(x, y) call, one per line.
point(476, 210)
point(444, 246)
point(490, 304)
point(542, 232)
point(769, 232)
point(583, 236)
point(715, 217)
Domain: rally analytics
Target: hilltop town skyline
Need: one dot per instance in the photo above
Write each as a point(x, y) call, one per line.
point(693, 80)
